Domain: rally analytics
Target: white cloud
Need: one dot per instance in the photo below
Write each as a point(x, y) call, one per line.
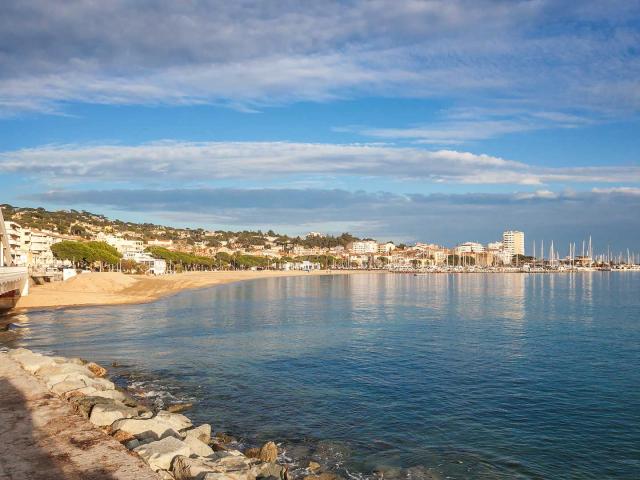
point(618, 190)
point(248, 54)
point(190, 162)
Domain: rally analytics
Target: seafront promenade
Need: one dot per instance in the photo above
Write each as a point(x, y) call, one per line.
point(42, 439)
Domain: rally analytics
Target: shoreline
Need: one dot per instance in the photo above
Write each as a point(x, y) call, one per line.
point(76, 423)
point(114, 288)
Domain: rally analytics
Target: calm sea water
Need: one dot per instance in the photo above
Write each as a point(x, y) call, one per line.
point(442, 376)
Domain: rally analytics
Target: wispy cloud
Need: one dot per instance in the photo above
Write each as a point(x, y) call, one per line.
point(462, 125)
point(246, 54)
point(191, 162)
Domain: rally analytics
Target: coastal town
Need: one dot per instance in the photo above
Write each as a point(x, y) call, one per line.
point(47, 246)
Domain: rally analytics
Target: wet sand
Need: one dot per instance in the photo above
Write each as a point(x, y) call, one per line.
point(118, 288)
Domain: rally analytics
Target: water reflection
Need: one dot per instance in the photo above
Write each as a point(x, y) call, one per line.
point(483, 376)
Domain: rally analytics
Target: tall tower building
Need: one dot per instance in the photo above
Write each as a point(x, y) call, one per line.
point(513, 242)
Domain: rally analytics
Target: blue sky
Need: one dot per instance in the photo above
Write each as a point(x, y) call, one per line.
point(438, 121)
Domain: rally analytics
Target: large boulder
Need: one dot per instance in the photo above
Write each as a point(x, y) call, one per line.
point(198, 447)
point(107, 394)
point(32, 362)
point(269, 470)
point(56, 369)
point(105, 414)
point(16, 352)
point(160, 454)
point(267, 453)
point(323, 476)
point(176, 420)
point(83, 404)
point(202, 433)
point(96, 369)
point(67, 386)
point(151, 428)
point(185, 468)
point(66, 382)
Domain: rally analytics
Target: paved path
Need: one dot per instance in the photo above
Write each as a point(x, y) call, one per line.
point(42, 439)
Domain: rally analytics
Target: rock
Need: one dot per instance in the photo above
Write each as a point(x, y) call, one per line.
point(227, 453)
point(200, 468)
point(269, 470)
point(176, 420)
point(252, 452)
point(84, 404)
point(82, 392)
point(199, 448)
point(15, 352)
point(105, 414)
point(224, 438)
point(96, 369)
point(152, 428)
point(32, 362)
point(161, 453)
point(164, 475)
point(217, 447)
point(202, 433)
point(131, 444)
point(268, 452)
point(323, 476)
point(67, 386)
point(313, 466)
point(66, 382)
point(58, 370)
point(115, 395)
point(179, 407)
point(123, 437)
point(76, 360)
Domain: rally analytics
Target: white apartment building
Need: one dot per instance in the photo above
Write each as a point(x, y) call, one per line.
point(503, 257)
point(41, 254)
point(19, 240)
point(31, 248)
point(160, 243)
point(157, 266)
point(129, 249)
point(513, 242)
point(469, 247)
point(363, 247)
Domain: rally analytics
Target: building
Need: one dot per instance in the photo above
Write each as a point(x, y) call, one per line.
point(41, 254)
point(129, 249)
point(495, 246)
point(160, 243)
point(469, 247)
point(19, 242)
point(513, 242)
point(386, 248)
point(32, 248)
point(363, 247)
point(155, 266)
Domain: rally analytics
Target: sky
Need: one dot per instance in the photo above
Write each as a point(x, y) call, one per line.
point(405, 120)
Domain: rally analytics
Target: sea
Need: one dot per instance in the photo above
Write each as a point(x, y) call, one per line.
point(393, 376)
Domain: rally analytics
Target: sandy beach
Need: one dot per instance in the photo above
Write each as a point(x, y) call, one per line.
point(118, 288)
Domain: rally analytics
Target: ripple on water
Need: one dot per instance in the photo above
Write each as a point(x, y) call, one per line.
point(467, 376)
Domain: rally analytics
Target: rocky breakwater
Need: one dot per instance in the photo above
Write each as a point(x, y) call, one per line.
point(168, 442)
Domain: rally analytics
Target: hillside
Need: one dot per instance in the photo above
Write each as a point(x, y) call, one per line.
point(87, 225)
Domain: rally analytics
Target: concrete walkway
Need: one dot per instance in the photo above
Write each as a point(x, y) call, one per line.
point(41, 438)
